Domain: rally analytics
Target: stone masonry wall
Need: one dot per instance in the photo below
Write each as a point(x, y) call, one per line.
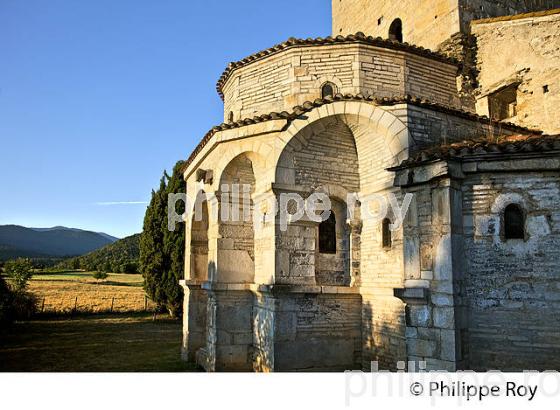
point(428, 128)
point(423, 25)
point(527, 52)
point(294, 76)
point(427, 24)
point(481, 9)
point(318, 332)
point(512, 287)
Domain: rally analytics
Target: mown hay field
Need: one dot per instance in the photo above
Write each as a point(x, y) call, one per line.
point(79, 292)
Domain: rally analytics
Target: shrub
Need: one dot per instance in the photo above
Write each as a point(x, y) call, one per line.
point(15, 304)
point(100, 275)
point(6, 305)
point(24, 305)
point(19, 271)
point(129, 267)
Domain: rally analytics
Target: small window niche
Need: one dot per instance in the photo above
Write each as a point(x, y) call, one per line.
point(514, 222)
point(396, 31)
point(387, 240)
point(328, 90)
point(502, 104)
point(327, 235)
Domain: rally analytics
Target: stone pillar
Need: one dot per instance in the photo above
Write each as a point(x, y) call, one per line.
point(194, 319)
point(230, 334)
point(432, 292)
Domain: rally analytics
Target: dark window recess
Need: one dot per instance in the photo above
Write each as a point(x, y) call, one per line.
point(545, 89)
point(503, 103)
point(514, 222)
point(395, 31)
point(328, 90)
point(387, 240)
point(327, 235)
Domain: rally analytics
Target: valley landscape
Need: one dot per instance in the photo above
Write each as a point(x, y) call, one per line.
point(76, 315)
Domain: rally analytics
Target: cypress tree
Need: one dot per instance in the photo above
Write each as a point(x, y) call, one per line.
point(174, 246)
point(151, 245)
point(162, 252)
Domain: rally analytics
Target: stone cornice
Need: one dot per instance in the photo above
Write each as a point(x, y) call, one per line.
point(521, 16)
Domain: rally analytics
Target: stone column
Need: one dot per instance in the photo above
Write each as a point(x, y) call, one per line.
point(194, 319)
point(230, 333)
point(432, 291)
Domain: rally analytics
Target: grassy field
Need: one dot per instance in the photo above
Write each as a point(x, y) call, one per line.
point(57, 292)
point(112, 343)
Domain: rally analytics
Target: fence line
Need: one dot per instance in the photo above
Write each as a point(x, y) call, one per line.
point(111, 304)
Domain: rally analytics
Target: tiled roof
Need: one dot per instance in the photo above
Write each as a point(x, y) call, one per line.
point(308, 106)
point(543, 13)
point(504, 145)
point(358, 38)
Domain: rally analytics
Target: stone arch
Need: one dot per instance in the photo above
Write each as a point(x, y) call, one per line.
point(199, 243)
point(368, 140)
point(368, 123)
point(236, 235)
point(256, 153)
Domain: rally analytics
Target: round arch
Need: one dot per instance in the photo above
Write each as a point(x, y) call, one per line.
point(366, 121)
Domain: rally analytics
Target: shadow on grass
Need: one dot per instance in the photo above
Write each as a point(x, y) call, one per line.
point(99, 343)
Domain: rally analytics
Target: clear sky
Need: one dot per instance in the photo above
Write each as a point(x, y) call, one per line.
point(98, 97)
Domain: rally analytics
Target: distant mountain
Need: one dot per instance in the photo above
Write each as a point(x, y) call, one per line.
point(63, 228)
point(18, 241)
point(119, 257)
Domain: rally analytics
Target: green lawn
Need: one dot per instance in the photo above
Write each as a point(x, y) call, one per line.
point(116, 343)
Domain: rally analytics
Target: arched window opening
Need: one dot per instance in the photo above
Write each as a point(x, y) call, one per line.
point(386, 233)
point(327, 235)
point(328, 90)
point(395, 31)
point(514, 222)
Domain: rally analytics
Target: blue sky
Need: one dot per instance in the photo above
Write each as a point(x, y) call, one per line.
point(98, 97)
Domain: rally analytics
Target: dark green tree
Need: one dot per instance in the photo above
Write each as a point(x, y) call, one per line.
point(162, 250)
point(174, 245)
point(100, 275)
point(151, 245)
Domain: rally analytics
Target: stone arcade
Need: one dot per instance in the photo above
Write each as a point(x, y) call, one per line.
point(471, 280)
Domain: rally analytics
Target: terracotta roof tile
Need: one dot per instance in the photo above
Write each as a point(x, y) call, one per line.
point(309, 105)
point(509, 144)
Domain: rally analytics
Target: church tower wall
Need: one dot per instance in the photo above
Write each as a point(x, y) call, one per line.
point(427, 24)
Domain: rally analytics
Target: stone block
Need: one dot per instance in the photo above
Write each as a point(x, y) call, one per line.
point(444, 317)
point(448, 345)
point(422, 348)
point(442, 299)
point(419, 316)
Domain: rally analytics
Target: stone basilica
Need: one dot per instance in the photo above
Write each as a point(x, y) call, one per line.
point(451, 101)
